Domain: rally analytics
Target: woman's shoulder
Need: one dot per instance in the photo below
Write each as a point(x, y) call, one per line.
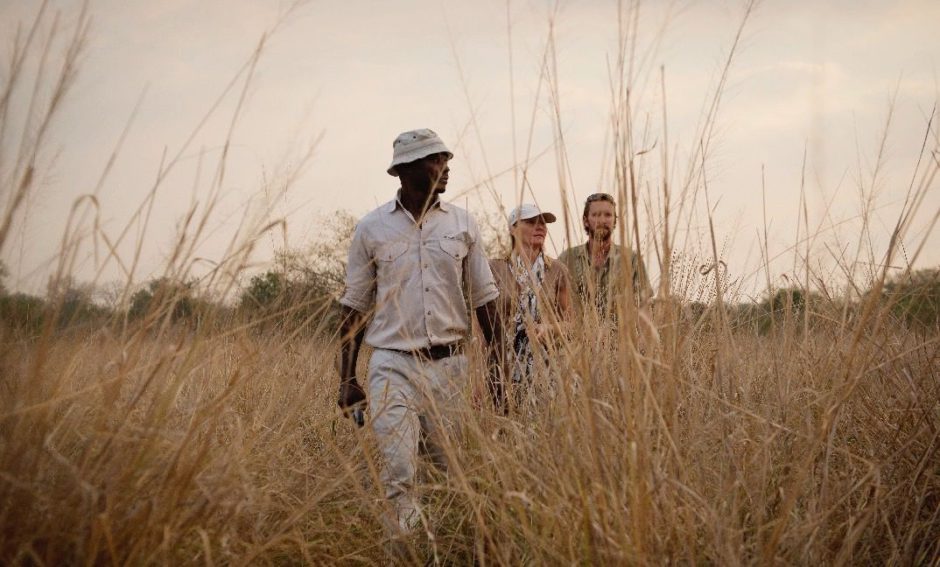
point(499, 266)
point(555, 264)
point(556, 268)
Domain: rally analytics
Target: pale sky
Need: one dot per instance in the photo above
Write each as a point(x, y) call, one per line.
point(814, 75)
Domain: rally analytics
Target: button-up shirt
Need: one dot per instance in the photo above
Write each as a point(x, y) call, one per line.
point(418, 281)
point(602, 287)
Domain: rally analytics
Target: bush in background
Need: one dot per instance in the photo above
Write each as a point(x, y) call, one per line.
point(915, 297)
point(301, 292)
point(172, 299)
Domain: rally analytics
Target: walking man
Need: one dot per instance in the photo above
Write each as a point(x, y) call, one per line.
point(599, 268)
point(417, 269)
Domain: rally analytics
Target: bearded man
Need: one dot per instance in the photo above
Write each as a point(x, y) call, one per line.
point(599, 268)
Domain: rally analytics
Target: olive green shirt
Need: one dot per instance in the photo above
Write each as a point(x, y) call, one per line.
point(602, 287)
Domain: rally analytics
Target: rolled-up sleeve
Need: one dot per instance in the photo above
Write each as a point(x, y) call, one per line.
point(479, 276)
point(360, 275)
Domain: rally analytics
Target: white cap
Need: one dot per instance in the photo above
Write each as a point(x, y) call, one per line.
point(416, 144)
point(528, 211)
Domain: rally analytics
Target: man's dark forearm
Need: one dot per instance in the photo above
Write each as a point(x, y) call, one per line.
point(490, 325)
point(352, 329)
point(488, 318)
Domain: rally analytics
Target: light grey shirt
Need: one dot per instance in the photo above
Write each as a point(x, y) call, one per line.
point(415, 280)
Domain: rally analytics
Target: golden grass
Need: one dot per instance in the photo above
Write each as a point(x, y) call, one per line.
point(227, 448)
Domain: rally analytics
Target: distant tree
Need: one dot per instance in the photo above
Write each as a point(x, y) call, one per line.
point(787, 304)
point(789, 299)
point(22, 313)
point(325, 259)
point(263, 291)
point(68, 303)
point(915, 297)
point(303, 286)
point(71, 302)
point(141, 301)
point(110, 295)
point(167, 297)
point(293, 293)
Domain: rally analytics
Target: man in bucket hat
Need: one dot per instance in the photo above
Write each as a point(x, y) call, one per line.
point(415, 265)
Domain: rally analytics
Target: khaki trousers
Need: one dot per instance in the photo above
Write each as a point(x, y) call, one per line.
point(410, 402)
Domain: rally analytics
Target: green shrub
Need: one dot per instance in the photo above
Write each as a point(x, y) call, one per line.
point(784, 306)
point(289, 299)
point(165, 297)
point(22, 313)
point(915, 297)
point(300, 292)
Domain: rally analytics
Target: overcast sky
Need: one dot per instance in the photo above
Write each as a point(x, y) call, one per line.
point(819, 76)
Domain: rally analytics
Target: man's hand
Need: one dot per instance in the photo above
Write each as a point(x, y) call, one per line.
point(352, 397)
point(350, 394)
point(352, 400)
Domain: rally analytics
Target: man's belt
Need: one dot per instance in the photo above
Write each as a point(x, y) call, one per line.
point(435, 352)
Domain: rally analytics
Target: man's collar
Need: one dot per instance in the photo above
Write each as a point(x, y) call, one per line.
point(396, 202)
point(613, 251)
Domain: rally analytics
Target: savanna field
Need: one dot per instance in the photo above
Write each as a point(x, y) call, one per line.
point(191, 418)
point(812, 441)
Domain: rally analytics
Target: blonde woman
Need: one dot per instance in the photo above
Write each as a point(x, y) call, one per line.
point(534, 299)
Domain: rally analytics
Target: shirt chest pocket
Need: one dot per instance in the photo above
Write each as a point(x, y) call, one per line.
point(390, 251)
point(455, 247)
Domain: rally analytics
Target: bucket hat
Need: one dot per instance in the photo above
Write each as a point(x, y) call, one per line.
point(413, 145)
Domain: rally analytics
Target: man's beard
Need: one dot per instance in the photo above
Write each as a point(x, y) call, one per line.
point(601, 233)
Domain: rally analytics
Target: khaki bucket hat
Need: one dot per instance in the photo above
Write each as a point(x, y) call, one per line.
point(416, 144)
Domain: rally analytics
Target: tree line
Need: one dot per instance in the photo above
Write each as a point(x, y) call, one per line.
point(299, 294)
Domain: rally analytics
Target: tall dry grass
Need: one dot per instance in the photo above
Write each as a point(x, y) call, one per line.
point(706, 442)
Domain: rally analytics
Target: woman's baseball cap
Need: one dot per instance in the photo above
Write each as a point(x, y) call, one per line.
point(416, 144)
point(529, 211)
